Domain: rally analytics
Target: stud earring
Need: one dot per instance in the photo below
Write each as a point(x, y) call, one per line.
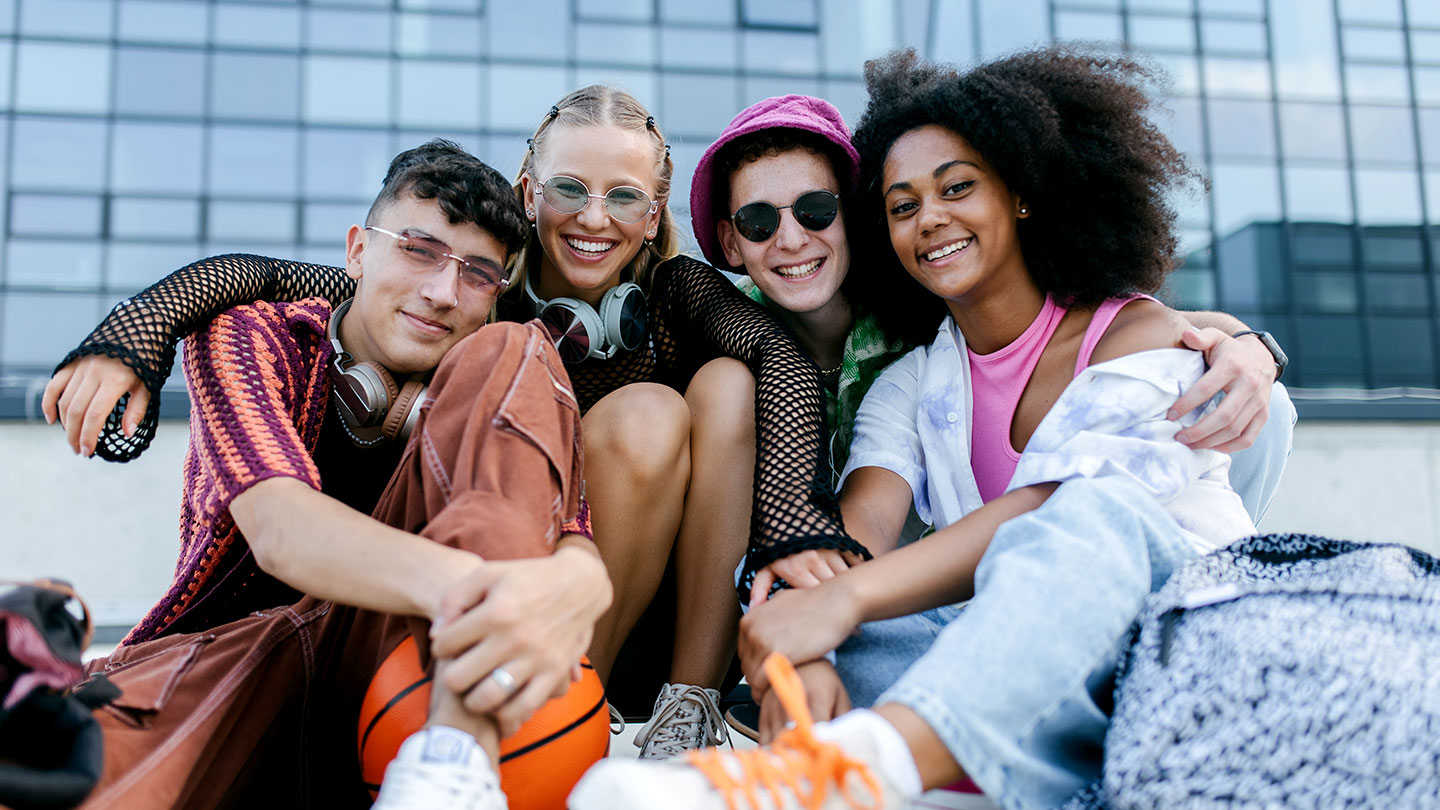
point(1024, 210)
point(530, 212)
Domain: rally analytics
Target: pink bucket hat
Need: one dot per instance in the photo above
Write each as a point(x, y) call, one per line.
point(805, 113)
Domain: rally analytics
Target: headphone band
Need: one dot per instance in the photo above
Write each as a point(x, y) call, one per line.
point(372, 406)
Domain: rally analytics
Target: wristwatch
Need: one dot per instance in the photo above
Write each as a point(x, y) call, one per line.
point(1268, 341)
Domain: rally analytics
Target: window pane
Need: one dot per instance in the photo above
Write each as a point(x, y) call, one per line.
point(1005, 27)
point(72, 19)
point(632, 10)
point(263, 223)
point(1080, 25)
point(697, 105)
point(63, 78)
point(1430, 135)
point(1248, 7)
point(1237, 77)
point(1312, 131)
point(756, 88)
point(1382, 133)
point(261, 86)
point(54, 215)
point(1242, 128)
point(1181, 124)
point(160, 82)
point(1374, 11)
point(146, 21)
point(1387, 197)
point(792, 13)
point(1244, 194)
point(1402, 350)
point(326, 224)
point(441, 94)
point(6, 62)
point(1168, 33)
point(330, 90)
point(432, 34)
point(1425, 46)
point(1427, 85)
point(1382, 44)
point(1423, 12)
point(1326, 292)
point(154, 219)
point(1184, 71)
point(1377, 83)
point(39, 328)
point(1306, 64)
point(688, 47)
point(520, 97)
point(1326, 247)
point(538, 29)
point(1432, 201)
point(954, 26)
point(616, 44)
point(345, 30)
point(257, 26)
point(345, 163)
point(1318, 195)
point(442, 5)
point(67, 264)
point(644, 85)
point(133, 267)
point(254, 160)
point(689, 11)
point(1233, 37)
point(156, 157)
point(781, 52)
point(52, 155)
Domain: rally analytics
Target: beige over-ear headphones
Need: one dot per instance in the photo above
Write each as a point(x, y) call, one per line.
point(372, 406)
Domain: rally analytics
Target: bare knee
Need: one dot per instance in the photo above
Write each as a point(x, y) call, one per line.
point(641, 431)
point(721, 398)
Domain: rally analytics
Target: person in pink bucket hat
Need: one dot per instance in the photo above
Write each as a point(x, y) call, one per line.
point(768, 201)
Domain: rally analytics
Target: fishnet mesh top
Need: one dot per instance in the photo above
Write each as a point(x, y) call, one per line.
point(696, 315)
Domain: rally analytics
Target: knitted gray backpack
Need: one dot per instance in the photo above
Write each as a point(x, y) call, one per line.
point(1283, 671)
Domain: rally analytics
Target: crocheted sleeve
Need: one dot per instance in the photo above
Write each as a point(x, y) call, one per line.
point(702, 316)
point(142, 330)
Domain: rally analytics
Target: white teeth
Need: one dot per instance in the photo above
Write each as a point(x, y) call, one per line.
point(796, 271)
point(589, 247)
point(947, 250)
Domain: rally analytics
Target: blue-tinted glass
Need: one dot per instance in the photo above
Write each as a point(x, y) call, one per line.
point(789, 13)
point(1393, 250)
point(698, 47)
point(628, 10)
point(164, 21)
point(698, 11)
point(6, 49)
point(1192, 209)
point(1249, 267)
point(63, 78)
point(1430, 134)
point(142, 218)
point(1383, 44)
point(1244, 194)
point(160, 81)
point(1318, 195)
point(1423, 12)
point(1306, 62)
point(1232, 36)
point(1388, 197)
point(260, 161)
point(58, 154)
point(345, 164)
point(354, 3)
point(257, 86)
point(1185, 6)
point(1328, 247)
point(156, 157)
point(326, 224)
point(257, 26)
point(848, 97)
point(1190, 289)
point(1432, 203)
point(1195, 248)
point(1402, 350)
point(1233, 76)
point(1242, 128)
point(1372, 11)
point(1250, 8)
point(1382, 133)
point(782, 52)
point(7, 16)
point(538, 29)
point(72, 19)
point(1427, 85)
point(1312, 131)
point(48, 263)
point(755, 88)
point(615, 44)
point(1084, 25)
point(348, 30)
point(440, 94)
point(521, 96)
point(435, 35)
point(331, 84)
point(1179, 119)
point(39, 328)
point(955, 38)
point(1326, 292)
point(54, 215)
point(264, 223)
point(1183, 71)
point(697, 105)
point(1164, 33)
point(1005, 27)
point(850, 33)
point(644, 85)
point(133, 267)
point(1377, 83)
point(506, 151)
point(442, 5)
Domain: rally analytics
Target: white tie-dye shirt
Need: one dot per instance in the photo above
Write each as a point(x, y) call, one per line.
point(1110, 421)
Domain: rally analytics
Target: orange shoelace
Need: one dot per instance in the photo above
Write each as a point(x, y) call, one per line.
point(796, 759)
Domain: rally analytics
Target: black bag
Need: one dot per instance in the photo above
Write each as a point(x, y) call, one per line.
point(1283, 671)
point(50, 744)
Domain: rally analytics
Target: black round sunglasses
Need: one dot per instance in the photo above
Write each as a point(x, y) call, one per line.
point(815, 210)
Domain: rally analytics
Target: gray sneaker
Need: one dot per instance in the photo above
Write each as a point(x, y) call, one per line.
point(686, 718)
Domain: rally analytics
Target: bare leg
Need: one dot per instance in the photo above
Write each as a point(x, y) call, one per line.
point(932, 759)
point(637, 460)
point(715, 528)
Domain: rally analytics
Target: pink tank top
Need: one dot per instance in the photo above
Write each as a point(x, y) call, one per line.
point(998, 379)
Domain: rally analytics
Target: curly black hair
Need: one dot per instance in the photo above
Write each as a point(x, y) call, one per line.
point(466, 188)
point(1066, 130)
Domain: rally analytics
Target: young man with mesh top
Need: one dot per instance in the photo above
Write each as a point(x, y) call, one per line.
point(244, 682)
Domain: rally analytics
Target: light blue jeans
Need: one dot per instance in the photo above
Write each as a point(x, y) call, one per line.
point(1017, 682)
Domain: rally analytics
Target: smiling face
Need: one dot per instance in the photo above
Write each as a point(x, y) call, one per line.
point(403, 318)
point(798, 269)
point(584, 253)
point(951, 218)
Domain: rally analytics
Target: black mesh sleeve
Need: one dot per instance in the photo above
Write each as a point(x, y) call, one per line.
point(141, 331)
point(702, 316)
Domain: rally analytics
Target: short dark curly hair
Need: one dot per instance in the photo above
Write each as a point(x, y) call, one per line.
point(466, 188)
point(1066, 130)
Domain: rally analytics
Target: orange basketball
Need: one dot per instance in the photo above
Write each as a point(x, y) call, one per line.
point(539, 764)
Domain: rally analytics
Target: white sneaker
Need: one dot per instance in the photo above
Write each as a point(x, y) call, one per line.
point(795, 771)
point(440, 767)
point(686, 718)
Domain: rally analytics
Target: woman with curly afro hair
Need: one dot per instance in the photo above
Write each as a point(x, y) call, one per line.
point(1024, 203)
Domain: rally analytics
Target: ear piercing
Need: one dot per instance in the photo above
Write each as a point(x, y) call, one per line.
point(1024, 210)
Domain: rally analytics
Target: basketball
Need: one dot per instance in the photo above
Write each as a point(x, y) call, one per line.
point(539, 764)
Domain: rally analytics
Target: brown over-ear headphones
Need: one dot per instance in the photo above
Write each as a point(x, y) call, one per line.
point(371, 406)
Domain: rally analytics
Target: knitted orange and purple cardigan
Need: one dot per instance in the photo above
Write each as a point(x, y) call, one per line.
point(258, 393)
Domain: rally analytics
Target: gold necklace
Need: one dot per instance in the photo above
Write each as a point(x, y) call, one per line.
point(826, 372)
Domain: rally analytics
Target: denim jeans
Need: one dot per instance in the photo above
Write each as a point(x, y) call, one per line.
point(1255, 473)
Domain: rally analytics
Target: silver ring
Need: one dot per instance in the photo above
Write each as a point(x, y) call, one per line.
point(503, 679)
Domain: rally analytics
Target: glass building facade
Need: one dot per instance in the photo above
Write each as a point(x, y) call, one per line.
point(137, 135)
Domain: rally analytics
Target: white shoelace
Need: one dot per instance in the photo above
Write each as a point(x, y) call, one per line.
point(686, 717)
